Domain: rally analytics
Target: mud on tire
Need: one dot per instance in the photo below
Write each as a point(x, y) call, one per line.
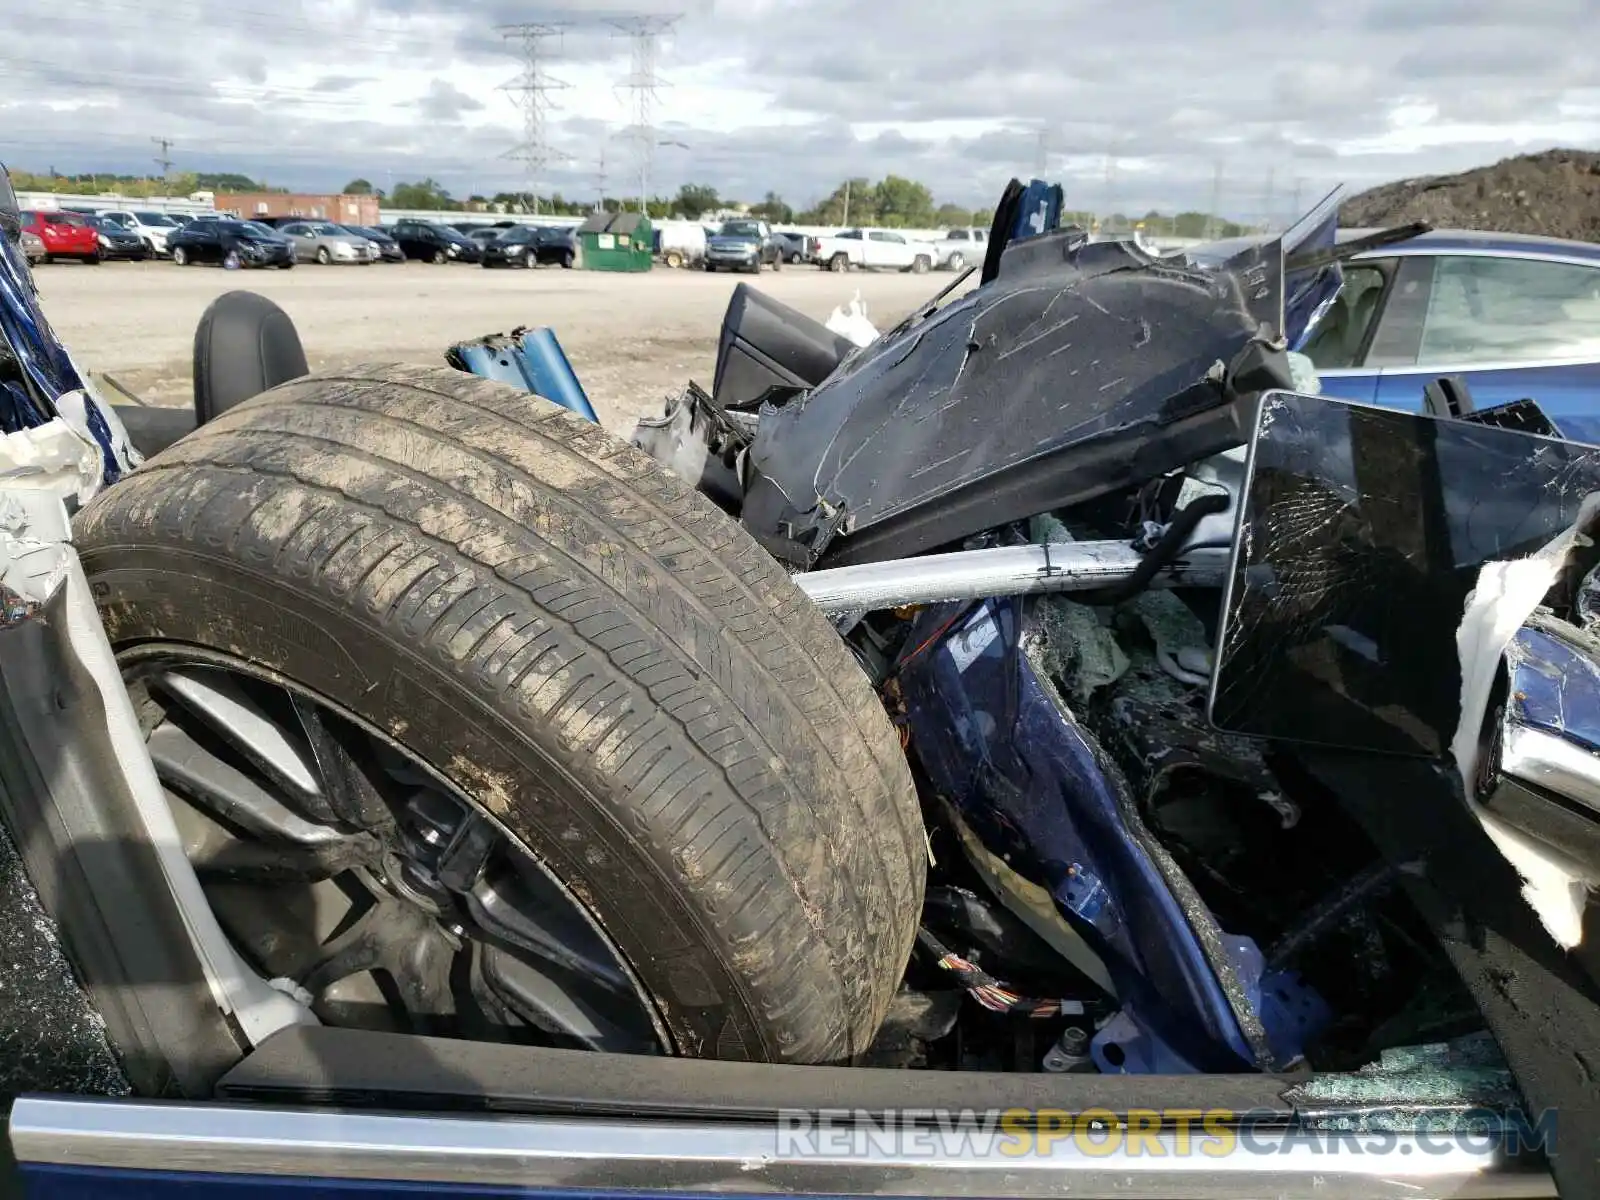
point(581, 643)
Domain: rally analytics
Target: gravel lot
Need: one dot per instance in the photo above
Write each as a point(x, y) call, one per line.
point(631, 338)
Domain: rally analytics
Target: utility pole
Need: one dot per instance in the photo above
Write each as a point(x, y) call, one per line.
point(847, 204)
point(165, 161)
point(600, 204)
point(1111, 188)
point(1214, 215)
point(1294, 203)
point(645, 33)
point(532, 87)
point(1266, 202)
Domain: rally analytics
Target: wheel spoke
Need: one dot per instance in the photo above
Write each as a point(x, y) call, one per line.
point(233, 797)
point(507, 908)
point(350, 793)
point(228, 709)
point(540, 997)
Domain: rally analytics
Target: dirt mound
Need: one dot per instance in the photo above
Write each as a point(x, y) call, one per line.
point(1555, 193)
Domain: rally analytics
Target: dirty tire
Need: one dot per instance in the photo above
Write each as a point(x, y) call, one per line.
point(920, 265)
point(674, 259)
point(956, 261)
point(323, 256)
point(439, 258)
point(586, 647)
point(839, 262)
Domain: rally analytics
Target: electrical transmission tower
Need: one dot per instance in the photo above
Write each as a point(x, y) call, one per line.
point(645, 32)
point(532, 88)
point(164, 161)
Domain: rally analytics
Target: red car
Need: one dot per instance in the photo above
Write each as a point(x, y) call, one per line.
point(64, 234)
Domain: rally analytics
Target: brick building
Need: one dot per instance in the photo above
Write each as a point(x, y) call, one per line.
point(352, 210)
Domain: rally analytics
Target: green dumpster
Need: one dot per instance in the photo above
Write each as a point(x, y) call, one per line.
point(616, 242)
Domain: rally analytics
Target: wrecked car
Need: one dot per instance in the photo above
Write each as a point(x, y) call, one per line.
point(1053, 705)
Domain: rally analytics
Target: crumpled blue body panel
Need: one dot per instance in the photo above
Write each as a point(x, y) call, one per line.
point(1038, 790)
point(526, 358)
point(1555, 687)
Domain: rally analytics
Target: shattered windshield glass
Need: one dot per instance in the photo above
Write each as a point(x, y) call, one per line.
point(1363, 532)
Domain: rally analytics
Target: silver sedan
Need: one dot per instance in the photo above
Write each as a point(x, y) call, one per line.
point(324, 242)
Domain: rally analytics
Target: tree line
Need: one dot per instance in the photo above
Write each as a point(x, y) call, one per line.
point(892, 202)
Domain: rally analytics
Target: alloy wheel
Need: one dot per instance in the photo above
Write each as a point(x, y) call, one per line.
point(356, 878)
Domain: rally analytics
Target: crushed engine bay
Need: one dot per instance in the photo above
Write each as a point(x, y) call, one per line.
point(1144, 856)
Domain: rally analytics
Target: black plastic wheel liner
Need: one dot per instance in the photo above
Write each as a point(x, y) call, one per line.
point(1078, 356)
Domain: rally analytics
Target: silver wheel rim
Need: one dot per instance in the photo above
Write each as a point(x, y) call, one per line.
point(358, 880)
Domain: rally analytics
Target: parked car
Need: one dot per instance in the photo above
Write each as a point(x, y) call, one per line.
point(1514, 316)
point(743, 246)
point(530, 246)
point(230, 243)
point(32, 246)
point(388, 249)
point(483, 235)
point(793, 246)
point(435, 243)
point(875, 249)
point(960, 247)
point(152, 226)
point(117, 242)
point(324, 242)
point(65, 235)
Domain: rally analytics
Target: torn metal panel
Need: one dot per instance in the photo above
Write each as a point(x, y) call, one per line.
point(1044, 798)
point(1525, 806)
point(1081, 368)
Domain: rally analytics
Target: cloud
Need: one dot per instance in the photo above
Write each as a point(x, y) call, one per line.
point(446, 102)
point(1142, 104)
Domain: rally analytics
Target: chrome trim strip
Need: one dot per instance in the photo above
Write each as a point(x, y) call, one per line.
point(1570, 260)
point(727, 1158)
point(1526, 364)
point(1553, 763)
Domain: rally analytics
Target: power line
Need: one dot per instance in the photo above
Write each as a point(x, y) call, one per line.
point(533, 86)
point(645, 33)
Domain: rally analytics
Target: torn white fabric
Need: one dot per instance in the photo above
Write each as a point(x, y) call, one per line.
point(56, 457)
point(851, 323)
point(1506, 594)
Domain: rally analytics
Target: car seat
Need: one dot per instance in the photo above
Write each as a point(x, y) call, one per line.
point(244, 345)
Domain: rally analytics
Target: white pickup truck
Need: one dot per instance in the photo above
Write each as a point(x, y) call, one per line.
point(877, 248)
point(959, 247)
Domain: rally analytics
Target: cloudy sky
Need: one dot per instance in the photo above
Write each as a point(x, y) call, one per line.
point(1133, 105)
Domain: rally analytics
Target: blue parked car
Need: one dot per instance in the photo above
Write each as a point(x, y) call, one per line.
point(1515, 316)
